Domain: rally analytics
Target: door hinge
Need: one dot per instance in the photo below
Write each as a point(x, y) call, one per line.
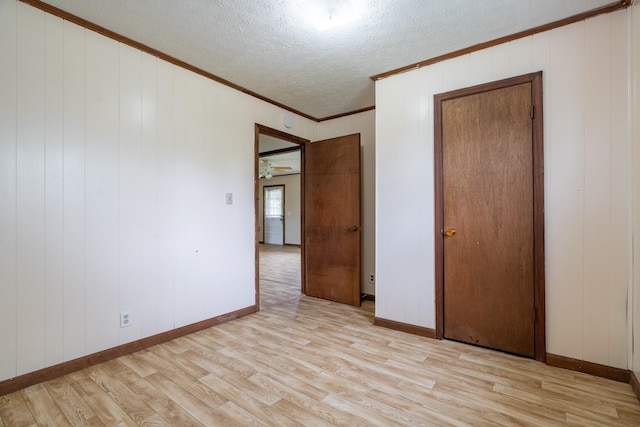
point(531, 111)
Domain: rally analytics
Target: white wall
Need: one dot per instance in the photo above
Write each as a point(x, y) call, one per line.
point(635, 187)
point(292, 212)
point(113, 171)
point(364, 124)
point(587, 177)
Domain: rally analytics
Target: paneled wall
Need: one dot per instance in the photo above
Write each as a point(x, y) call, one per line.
point(113, 171)
point(587, 175)
point(635, 185)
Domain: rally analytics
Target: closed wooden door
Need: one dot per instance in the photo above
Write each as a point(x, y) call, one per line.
point(487, 224)
point(332, 219)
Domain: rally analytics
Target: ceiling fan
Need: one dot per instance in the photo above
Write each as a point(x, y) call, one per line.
point(266, 169)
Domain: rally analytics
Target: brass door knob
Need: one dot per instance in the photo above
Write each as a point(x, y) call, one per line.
point(450, 232)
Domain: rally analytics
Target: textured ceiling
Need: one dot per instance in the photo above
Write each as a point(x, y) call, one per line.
point(267, 47)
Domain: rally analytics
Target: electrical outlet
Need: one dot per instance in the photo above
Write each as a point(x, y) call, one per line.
point(125, 318)
point(372, 278)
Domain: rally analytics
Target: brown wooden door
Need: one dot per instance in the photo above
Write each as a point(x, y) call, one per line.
point(488, 219)
point(332, 219)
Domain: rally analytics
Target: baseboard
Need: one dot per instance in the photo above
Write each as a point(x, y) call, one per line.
point(405, 327)
point(603, 371)
point(52, 372)
point(635, 383)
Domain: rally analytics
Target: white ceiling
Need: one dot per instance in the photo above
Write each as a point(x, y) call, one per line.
point(267, 47)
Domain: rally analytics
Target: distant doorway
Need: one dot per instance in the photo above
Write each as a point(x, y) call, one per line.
point(273, 197)
point(278, 198)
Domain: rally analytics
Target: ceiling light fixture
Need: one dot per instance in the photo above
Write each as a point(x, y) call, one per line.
point(326, 14)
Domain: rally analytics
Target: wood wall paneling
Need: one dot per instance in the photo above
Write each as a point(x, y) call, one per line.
point(500, 63)
point(621, 153)
point(456, 71)
point(193, 178)
point(597, 191)
point(54, 191)
point(564, 190)
point(404, 236)
point(101, 193)
point(166, 195)
point(425, 303)
point(8, 291)
point(520, 56)
point(483, 66)
point(30, 161)
point(540, 57)
point(634, 293)
point(131, 194)
point(201, 264)
point(147, 298)
point(180, 219)
point(74, 191)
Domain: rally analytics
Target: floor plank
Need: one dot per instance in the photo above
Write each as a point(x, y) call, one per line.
point(43, 407)
point(14, 411)
point(69, 401)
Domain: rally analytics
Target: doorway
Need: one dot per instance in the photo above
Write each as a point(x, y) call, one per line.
point(279, 162)
point(273, 214)
point(329, 216)
point(490, 216)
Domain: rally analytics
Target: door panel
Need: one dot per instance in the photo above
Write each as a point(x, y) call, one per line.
point(332, 219)
point(488, 201)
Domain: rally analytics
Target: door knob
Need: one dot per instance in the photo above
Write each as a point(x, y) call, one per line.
point(354, 228)
point(450, 232)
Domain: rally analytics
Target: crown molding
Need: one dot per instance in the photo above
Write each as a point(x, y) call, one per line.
point(622, 4)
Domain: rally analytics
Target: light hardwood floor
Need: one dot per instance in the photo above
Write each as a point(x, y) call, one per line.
point(305, 361)
point(279, 274)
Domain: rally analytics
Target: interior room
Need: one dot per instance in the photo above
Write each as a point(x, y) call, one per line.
point(300, 212)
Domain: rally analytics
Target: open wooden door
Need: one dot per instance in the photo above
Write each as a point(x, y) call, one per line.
point(332, 219)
